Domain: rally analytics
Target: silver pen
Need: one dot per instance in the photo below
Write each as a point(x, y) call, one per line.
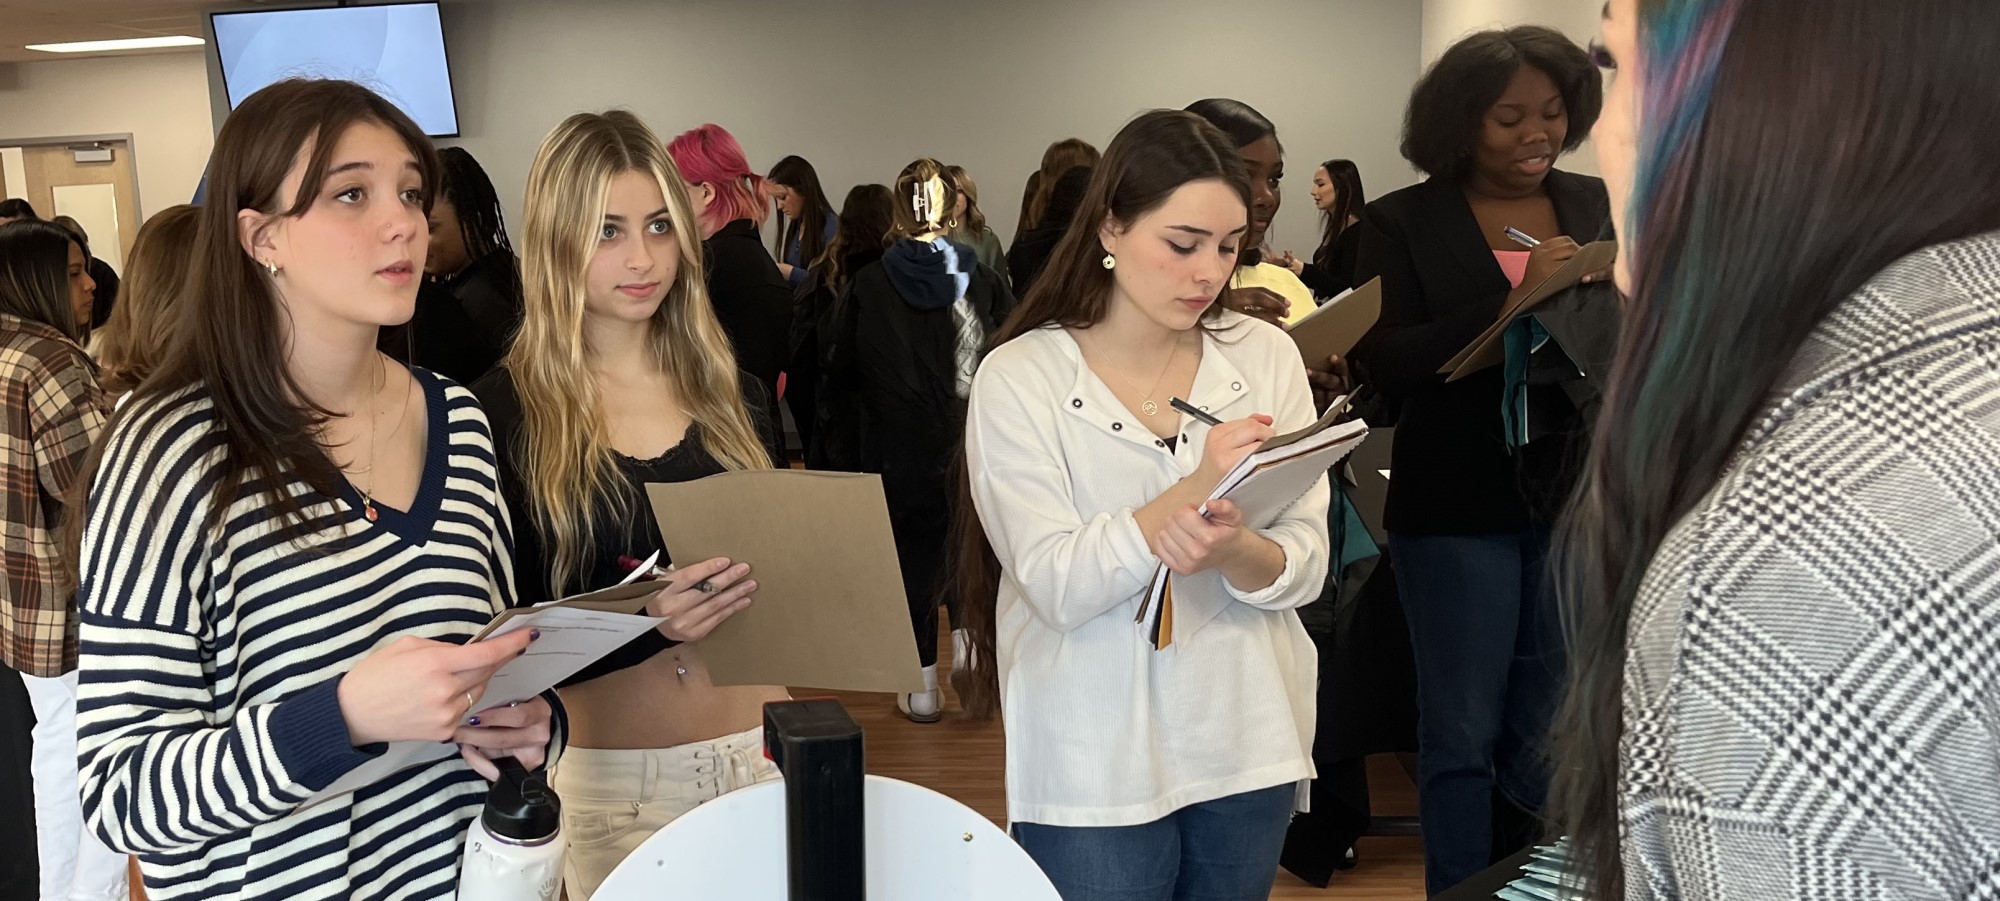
point(1522, 238)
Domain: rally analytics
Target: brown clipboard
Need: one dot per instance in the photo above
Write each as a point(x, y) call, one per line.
point(830, 609)
point(1334, 329)
point(1486, 350)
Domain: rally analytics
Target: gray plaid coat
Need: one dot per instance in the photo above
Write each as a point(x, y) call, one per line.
point(1812, 695)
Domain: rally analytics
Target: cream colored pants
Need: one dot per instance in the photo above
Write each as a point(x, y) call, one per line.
point(612, 801)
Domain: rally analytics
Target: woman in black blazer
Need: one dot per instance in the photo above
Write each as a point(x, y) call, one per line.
point(1473, 491)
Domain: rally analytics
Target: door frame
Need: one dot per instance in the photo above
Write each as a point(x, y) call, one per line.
point(131, 147)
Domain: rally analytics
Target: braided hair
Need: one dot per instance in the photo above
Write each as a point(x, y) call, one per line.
point(471, 193)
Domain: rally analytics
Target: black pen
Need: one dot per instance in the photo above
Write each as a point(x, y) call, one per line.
point(1192, 410)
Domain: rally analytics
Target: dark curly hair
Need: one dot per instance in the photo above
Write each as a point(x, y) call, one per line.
point(1450, 101)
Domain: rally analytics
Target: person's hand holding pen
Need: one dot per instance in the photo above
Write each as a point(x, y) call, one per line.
point(1189, 542)
point(1547, 256)
point(700, 597)
point(1228, 442)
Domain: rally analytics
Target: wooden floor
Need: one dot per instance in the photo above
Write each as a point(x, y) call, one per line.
point(964, 759)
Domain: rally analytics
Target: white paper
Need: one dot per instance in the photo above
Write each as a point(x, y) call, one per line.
point(571, 640)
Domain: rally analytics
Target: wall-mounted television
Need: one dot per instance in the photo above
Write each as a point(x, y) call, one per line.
point(397, 49)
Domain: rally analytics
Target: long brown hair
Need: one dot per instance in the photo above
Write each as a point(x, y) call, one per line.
point(808, 231)
point(1062, 156)
point(866, 217)
point(565, 454)
point(1348, 200)
point(1727, 285)
point(1152, 156)
point(231, 338)
point(141, 328)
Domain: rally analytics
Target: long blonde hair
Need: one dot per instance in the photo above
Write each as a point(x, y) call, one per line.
point(565, 451)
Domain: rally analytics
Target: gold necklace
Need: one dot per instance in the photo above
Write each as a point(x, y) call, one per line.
point(375, 427)
point(1146, 404)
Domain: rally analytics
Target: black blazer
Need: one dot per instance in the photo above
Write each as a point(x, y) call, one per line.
point(754, 303)
point(1453, 473)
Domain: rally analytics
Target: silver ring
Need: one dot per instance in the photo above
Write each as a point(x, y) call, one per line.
point(703, 586)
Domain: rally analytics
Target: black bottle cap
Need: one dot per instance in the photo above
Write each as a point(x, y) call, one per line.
point(521, 807)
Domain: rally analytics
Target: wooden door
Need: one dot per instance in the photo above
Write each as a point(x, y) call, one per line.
point(101, 196)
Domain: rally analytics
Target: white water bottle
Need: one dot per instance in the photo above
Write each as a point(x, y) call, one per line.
point(514, 851)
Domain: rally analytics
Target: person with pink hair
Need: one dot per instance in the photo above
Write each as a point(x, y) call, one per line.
point(751, 296)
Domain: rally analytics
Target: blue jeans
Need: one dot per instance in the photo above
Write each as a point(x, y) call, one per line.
point(1220, 850)
point(1489, 661)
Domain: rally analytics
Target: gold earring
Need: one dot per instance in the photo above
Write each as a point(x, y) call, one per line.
point(271, 268)
point(1110, 261)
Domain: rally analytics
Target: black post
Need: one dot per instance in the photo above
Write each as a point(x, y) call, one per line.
point(818, 748)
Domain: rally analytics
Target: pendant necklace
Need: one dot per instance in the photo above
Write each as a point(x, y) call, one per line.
point(1146, 404)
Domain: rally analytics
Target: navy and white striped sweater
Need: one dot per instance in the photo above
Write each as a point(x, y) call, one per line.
point(210, 663)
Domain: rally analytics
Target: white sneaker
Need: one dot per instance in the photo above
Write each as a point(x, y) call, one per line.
point(961, 662)
point(924, 706)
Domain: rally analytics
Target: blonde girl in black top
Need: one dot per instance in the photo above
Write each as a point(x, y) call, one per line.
point(622, 376)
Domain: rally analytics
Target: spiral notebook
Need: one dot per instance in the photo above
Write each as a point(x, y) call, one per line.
point(1265, 484)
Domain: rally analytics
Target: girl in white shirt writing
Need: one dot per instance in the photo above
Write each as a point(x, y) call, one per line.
point(1135, 773)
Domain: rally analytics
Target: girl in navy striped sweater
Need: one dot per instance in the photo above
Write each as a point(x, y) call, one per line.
point(289, 538)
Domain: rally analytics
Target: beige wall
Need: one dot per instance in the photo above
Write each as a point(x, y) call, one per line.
point(861, 87)
point(841, 81)
point(161, 100)
point(1445, 21)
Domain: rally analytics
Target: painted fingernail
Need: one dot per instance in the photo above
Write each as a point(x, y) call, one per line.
point(534, 635)
point(513, 703)
point(472, 721)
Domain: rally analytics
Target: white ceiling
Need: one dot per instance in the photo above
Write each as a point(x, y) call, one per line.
point(24, 22)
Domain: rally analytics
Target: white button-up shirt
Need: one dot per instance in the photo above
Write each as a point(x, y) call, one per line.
point(1103, 730)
